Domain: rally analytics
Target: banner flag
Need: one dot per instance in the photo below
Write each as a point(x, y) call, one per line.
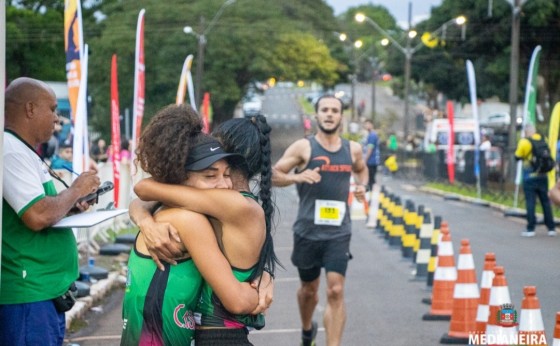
point(183, 81)
point(115, 130)
point(80, 147)
point(553, 128)
point(530, 106)
point(139, 89)
point(451, 143)
point(474, 105)
point(191, 90)
point(206, 113)
point(73, 47)
point(529, 110)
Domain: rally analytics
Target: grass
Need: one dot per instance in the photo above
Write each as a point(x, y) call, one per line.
point(505, 199)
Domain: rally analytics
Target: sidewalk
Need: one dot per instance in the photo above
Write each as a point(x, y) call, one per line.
point(99, 289)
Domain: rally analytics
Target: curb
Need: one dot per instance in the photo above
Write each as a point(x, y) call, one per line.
point(98, 291)
point(472, 200)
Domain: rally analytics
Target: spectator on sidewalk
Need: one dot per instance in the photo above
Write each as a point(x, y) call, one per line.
point(63, 159)
point(99, 151)
point(372, 152)
point(534, 184)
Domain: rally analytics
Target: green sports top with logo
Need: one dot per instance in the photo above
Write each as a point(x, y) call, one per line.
point(158, 305)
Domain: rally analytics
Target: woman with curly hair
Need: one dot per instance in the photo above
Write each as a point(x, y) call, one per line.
point(159, 305)
point(246, 242)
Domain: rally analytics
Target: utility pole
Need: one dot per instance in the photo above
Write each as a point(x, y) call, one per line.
point(200, 64)
point(513, 85)
point(408, 58)
point(373, 100)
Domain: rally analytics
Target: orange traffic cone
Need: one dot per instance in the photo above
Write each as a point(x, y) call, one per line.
point(465, 299)
point(531, 327)
point(556, 341)
point(502, 320)
point(444, 282)
point(485, 286)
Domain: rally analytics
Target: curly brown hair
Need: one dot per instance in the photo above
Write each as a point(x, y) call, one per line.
point(166, 142)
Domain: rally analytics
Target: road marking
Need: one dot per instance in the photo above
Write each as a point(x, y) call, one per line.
point(99, 337)
point(282, 331)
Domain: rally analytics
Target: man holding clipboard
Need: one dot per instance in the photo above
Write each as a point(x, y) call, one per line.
point(39, 263)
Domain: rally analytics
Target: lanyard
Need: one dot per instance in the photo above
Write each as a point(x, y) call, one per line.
point(49, 169)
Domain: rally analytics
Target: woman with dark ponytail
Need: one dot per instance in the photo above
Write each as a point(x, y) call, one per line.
point(250, 138)
point(243, 225)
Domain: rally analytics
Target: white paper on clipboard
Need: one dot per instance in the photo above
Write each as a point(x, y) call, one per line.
point(84, 220)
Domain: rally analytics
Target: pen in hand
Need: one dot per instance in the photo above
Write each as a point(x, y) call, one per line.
point(70, 170)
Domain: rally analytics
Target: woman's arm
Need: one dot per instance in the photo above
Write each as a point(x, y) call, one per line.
point(198, 236)
point(222, 204)
point(162, 240)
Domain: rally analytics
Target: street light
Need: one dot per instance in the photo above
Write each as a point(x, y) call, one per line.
point(408, 52)
point(357, 45)
point(202, 46)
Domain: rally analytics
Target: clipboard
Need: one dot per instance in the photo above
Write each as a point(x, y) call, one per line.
point(89, 219)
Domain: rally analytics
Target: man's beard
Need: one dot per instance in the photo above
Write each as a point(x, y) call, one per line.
point(328, 131)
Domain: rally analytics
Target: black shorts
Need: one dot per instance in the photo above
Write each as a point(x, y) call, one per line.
point(309, 256)
point(222, 336)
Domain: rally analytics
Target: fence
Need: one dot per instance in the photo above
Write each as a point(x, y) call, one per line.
point(432, 167)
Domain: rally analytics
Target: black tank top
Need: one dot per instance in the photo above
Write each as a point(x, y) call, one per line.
point(335, 170)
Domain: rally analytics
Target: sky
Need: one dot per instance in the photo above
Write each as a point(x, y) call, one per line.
point(398, 8)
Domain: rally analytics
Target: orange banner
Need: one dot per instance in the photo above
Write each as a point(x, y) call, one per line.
point(73, 46)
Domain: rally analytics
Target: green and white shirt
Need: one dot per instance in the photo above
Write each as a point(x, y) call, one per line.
point(36, 266)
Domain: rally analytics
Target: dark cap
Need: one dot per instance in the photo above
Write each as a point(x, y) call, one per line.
point(204, 155)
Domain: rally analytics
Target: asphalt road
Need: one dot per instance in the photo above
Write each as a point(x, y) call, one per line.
point(383, 301)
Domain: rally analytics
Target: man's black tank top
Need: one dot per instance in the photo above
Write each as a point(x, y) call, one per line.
point(318, 220)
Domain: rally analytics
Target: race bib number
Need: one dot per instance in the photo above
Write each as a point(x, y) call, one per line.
point(329, 212)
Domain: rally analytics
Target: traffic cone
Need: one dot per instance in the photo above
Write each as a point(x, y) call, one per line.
point(423, 254)
point(444, 282)
point(417, 227)
point(438, 224)
point(432, 263)
point(374, 203)
point(397, 231)
point(388, 226)
point(556, 341)
point(501, 328)
point(382, 211)
point(465, 299)
point(407, 240)
point(485, 286)
point(531, 326)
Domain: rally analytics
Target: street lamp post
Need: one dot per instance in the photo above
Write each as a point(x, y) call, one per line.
point(408, 52)
point(202, 47)
point(357, 45)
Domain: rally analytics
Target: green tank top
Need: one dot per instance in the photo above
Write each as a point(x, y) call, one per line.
point(210, 311)
point(158, 305)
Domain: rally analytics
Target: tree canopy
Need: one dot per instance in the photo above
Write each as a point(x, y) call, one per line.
point(286, 39)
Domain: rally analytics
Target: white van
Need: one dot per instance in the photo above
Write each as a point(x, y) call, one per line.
point(438, 133)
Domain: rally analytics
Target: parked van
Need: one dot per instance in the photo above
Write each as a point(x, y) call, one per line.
point(438, 133)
